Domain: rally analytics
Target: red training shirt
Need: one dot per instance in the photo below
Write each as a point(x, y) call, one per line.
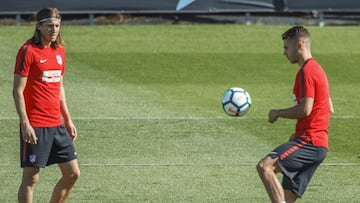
point(43, 68)
point(311, 82)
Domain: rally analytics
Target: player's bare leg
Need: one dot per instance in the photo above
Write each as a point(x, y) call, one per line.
point(290, 197)
point(267, 169)
point(30, 178)
point(70, 173)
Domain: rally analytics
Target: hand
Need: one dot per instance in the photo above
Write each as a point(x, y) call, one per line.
point(28, 134)
point(273, 115)
point(70, 127)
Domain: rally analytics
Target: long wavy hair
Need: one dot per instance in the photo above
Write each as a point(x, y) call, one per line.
point(42, 15)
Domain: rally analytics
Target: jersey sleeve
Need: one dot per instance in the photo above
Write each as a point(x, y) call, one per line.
point(308, 83)
point(24, 60)
point(64, 65)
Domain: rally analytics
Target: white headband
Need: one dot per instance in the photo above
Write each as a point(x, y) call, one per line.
point(46, 19)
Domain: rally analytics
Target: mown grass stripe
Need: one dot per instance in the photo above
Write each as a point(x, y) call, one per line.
point(183, 164)
point(177, 118)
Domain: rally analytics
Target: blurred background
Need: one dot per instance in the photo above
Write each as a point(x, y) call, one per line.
point(92, 12)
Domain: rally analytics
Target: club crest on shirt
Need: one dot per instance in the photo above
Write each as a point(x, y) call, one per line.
point(59, 59)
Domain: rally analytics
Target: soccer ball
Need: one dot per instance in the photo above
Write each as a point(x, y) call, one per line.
point(236, 101)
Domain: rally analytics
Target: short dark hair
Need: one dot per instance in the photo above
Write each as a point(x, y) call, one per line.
point(296, 32)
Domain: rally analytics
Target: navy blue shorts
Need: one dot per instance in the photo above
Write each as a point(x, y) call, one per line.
point(298, 160)
point(54, 145)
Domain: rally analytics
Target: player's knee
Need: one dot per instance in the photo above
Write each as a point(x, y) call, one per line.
point(75, 176)
point(30, 178)
point(31, 181)
point(262, 167)
point(35, 180)
point(71, 178)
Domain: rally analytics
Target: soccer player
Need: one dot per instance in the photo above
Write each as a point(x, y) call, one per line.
point(298, 158)
point(47, 131)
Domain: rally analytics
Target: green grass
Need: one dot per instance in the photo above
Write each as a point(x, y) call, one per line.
point(146, 102)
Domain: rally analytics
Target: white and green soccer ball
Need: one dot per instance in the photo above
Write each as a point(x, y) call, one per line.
point(236, 101)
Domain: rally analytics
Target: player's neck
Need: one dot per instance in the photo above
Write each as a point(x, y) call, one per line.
point(304, 58)
point(45, 43)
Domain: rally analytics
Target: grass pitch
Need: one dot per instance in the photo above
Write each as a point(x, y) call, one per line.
point(146, 102)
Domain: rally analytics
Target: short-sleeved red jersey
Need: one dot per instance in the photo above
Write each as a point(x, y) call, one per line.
point(43, 68)
point(311, 82)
